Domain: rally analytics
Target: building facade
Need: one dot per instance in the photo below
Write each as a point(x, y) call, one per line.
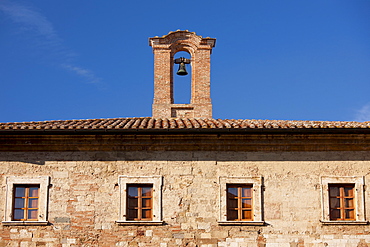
point(181, 178)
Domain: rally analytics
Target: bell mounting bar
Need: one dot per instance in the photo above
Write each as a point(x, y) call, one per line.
point(182, 60)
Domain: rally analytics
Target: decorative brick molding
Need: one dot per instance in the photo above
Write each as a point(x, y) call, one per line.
point(164, 49)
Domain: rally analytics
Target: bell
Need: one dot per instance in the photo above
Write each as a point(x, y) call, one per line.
point(182, 69)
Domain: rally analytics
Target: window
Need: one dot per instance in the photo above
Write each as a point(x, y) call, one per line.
point(343, 200)
point(26, 200)
point(241, 201)
point(141, 200)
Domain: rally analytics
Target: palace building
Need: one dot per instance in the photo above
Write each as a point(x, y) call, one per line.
point(182, 178)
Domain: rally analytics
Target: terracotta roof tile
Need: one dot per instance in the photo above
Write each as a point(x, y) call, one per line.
point(173, 124)
point(195, 123)
point(179, 123)
point(188, 123)
point(158, 123)
point(165, 124)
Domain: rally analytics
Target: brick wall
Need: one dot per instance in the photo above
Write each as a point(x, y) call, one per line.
point(164, 49)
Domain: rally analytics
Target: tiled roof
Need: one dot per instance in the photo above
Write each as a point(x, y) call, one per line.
point(178, 123)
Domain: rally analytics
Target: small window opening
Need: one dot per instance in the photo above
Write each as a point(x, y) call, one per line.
point(26, 202)
point(140, 202)
point(182, 84)
point(342, 201)
point(239, 202)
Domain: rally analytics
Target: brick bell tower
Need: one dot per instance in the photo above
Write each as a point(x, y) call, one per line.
point(164, 49)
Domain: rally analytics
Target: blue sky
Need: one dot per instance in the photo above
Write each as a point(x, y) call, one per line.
point(277, 59)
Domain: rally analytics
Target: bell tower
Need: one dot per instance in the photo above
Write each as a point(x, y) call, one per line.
point(164, 49)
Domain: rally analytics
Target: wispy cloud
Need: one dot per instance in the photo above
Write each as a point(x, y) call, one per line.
point(83, 73)
point(363, 114)
point(28, 18)
point(45, 37)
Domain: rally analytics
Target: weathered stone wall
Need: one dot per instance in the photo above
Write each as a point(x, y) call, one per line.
point(84, 198)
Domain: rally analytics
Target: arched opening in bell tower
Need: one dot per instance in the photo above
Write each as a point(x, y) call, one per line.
point(182, 83)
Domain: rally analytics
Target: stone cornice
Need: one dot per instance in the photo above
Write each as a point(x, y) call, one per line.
point(269, 142)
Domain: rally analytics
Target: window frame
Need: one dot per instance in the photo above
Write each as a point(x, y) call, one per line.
point(342, 199)
point(359, 200)
point(257, 207)
point(156, 182)
point(140, 197)
point(43, 183)
point(239, 201)
point(26, 198)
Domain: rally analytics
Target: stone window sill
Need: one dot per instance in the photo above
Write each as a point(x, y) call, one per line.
point(241, 223)
point(344, 222)
point(139, 223)
point(25, 223)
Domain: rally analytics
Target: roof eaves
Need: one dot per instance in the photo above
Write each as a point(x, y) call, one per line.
point(178, 131)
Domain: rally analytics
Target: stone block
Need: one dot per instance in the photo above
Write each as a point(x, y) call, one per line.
point(62, 220)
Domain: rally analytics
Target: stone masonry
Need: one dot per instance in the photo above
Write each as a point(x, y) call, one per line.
point(84, 196)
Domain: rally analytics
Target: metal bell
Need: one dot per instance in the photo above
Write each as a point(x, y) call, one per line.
point(182, 69)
